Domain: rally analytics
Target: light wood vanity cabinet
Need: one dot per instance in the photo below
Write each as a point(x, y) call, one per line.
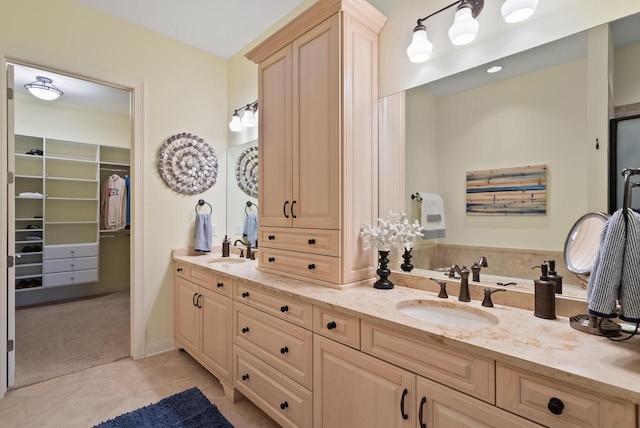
point(318, 141)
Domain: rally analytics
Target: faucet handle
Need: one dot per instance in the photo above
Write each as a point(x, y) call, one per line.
point(443, 288)
point(486, 302)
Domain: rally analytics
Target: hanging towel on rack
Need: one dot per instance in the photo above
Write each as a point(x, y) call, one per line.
point(432, 216)
point(204, 233)
point(250, 229)
point(615, 276)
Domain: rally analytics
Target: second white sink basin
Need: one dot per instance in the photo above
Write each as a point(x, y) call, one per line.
point(228, 260)
point(448, 314)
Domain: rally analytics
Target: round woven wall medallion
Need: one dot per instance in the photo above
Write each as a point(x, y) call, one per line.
point(247, 171)
point(187, 164)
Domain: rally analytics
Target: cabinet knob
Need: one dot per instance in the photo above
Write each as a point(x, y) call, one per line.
point(331, 325)
point(284, 308)
point(271, 237)
point(245, 329)
point(311, 241)
point(555, 406)
point(311, 266)
point(404, 394)
point(284, 350)
point(245, 376)
point(73, 277)
point(272, 259)
point(284, 405)
point(245, 294)
point(220, 285)
point(179, 270)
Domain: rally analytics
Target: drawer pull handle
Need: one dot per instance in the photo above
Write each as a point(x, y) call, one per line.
point(284, 209)
point(220, 285)
point(245, 294)
point(284, 308)
point(193, 299)
point(72, 264)
point(284, 405)
point(404, 415)
point(284, 350)
point(311, 266)
point(245, 329)
point(555, 406)
point(245, 376)
point(272, 259)
point(331, 325)
point(292, 205)
point(179, 269)
point(420, 413)
point(312, 241)
point(198, 301)
point(272, 237)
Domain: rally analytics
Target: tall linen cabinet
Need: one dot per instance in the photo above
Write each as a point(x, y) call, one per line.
point(317, 91)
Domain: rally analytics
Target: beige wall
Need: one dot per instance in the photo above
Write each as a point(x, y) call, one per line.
point(185, 90)
point(626, 71)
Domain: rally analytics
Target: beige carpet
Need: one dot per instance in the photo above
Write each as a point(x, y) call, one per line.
point(59, 339)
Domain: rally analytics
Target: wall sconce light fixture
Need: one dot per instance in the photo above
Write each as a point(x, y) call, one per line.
point(465, 26)
point(43, 88)
point(249, 117)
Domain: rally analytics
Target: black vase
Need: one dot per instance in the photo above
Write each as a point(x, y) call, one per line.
point(383, 272)
point(407, 266)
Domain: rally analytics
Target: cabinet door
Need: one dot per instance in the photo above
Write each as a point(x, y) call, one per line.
point(216, 333)
point(316, 127)
point(187, 321)
point(275, 150)
point(352, 389)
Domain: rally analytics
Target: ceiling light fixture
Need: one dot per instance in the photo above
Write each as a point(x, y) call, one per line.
point(465, 26)
point(494, 69)
point(43, 88)
point(249, 117)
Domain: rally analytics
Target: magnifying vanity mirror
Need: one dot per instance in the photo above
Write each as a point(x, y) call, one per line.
point(581, 245)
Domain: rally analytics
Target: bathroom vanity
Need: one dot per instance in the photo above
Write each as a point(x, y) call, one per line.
point(313, 356)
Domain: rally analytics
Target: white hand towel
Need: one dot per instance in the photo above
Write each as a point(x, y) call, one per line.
point(203, 233)
point(615, 276)
point(432, 216)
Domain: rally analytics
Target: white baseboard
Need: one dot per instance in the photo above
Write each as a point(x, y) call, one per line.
point(159, 347)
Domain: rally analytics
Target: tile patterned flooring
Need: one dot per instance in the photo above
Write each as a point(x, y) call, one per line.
point(91, 396)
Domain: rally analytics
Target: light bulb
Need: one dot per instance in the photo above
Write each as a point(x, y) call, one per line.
point(248, 119)
point(464, 28)
point(518, 10)
point(235, 125)
point(420, 48)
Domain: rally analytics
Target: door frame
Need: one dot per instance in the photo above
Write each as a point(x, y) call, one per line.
point(136, 275)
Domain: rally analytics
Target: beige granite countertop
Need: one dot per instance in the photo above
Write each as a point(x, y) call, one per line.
point(548, 347)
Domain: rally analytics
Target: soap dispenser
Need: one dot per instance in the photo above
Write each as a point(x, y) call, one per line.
point(225, 246)
point(553, 276)
point(545, 295)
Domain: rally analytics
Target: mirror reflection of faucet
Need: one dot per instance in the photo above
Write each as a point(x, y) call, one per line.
point(475, 268)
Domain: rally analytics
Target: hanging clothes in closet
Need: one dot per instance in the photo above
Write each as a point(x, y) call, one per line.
point(113, 203)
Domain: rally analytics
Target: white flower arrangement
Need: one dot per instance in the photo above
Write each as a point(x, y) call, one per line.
point(393, 231)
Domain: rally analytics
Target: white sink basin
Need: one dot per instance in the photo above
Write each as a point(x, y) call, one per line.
point(449, 314)
point(227, 260)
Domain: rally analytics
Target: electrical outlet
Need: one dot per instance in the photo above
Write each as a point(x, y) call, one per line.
point(238, 229)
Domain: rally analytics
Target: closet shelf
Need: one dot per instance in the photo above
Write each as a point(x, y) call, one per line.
point(71, 160)
point(88, 180)
point(29, 242)
point(29, 230)
point(35, 275)
point(57, 198)
point(32, 177)
point(71, 222)
point(34, 253)
point(26, 265)
point(28, 219)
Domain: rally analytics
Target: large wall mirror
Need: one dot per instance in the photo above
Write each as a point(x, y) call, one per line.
point(242, 190)
point(533, 112)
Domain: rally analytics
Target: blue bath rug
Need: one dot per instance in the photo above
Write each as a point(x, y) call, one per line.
point(187, 409)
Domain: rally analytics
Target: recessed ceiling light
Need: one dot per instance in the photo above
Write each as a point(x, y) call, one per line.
point(494, 69)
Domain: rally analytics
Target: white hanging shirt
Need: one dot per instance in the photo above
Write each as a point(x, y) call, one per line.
point(113, 207)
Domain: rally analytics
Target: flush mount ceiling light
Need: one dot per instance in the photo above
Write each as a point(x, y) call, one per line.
point(494, 69)
point(465, 26)
point(249, 117)
point(43, 88)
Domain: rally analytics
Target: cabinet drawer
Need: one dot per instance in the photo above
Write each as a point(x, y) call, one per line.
point(322, 268)
point(75, 264)
point(197, 275)
point(465, 372)
point(67, 278)
point(315, 241)
point(336, 325)
point(68, 251)
point(285, 401)
point(537, 398)
point(280, 344)
point(294, 311)
point(221, 284)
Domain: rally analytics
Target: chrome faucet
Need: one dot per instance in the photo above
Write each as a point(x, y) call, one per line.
point(475, 268)
point(463, 296)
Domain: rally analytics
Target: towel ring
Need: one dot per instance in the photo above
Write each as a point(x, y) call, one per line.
point(249, 204)
point(417, 197)
point(201, 202)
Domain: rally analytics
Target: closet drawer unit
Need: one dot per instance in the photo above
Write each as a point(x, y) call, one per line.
point(556, 404)
point(285, 401)
point(278, 343)
point(321, 268)
point(336, 325)
point(467, 373)
point(294, 311)
point(314, 241)
point(195, 274)
point(52, 252)
point(75, 264)
point(68, 278)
